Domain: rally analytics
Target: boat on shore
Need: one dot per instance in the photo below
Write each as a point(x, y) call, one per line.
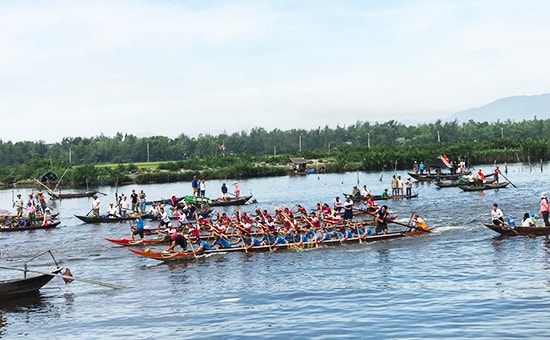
point(507, 230)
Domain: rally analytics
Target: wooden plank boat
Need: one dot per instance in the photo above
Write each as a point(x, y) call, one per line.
point(59, 195)
point(109, 219)
point(217, 202)
point(484, 186)
point(380, 198)
point(128, 242)
point(13, 288)
point(3, 218)
point(432, 177)
point(507, 230)
point(30, 227)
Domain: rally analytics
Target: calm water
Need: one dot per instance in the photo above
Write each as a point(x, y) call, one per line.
point(461, 281)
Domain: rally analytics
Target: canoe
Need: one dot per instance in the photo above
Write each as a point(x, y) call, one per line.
point(165, 201)
point(507, 230)
point(32, 227)
point(108, 219)
point(13, 288)
point(128, 242)
point(484, 186)
point(217, 202)
point(432, 177)
point(379, 197)
point(3, 218)
point(189, 255)
point(56, 195)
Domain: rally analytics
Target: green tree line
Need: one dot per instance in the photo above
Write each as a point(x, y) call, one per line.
point(254, 153)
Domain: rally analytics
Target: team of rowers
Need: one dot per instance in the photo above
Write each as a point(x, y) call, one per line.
point(284, 226)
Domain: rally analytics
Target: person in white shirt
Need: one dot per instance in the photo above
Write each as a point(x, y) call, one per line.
point(497, 216)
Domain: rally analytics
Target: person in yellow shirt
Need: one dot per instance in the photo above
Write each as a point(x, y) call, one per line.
point(418, 222)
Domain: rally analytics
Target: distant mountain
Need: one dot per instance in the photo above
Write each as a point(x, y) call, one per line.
point(517, 108)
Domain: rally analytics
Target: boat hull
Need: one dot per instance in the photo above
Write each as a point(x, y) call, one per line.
point(21, 287)
point(507, 230)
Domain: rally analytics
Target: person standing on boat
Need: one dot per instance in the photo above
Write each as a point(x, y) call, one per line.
point(236, 189)
point(544, 209)
point(139, 230)
point(31, 210)
point(400, 185)
point(381, 220)
point(164, 219)
point(348, 209)
point(394, 186)
point(202, 187)
point(364, 191)
point(480, 178)
point(337, 204)
point(225, 196)
point(134, 199)
point(124, 206)
point(497, 217)
point(142, 201)
point(95, 206)
point(421, 168)
point(408, 187)
point(495, 174)
point(194, 186)
point(18, 205)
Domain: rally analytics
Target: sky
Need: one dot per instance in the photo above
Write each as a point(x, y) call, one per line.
point(165, 68)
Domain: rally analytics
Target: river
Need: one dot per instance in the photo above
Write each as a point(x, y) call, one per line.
point(462, 281)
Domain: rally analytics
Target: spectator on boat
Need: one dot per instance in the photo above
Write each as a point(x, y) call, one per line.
point(175, 240)
point(364, 191)
point(134, 200)
point(337, 204)
point(142, 201)
point(495, 174)
point(480, 177)
point(194, 186)
point(408, 187)
point(462, 166)
point(140, 228)
point(225, 196)
point(370, 202)
point(418, 222)
point(400, 186)
point(124, 206)
point(47, 218)
point(31, 210)
point(202, 187)
point(528, 220)
point(355, 191)
point(18, 205)
point(415, 167)
point(421, 167)
point(348, 209)
point(497, 217)
point(384, 194)
point(95, 206)
point(381, 220)
point(236, 189)
point(544, 209)
point(393, 186)
point(164, 219)
point(111, 211)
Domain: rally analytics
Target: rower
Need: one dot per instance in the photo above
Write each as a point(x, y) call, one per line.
point(418, 222)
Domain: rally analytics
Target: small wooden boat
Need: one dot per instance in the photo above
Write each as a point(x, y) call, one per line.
point(432, 177)
point(109, 219)
point(380, 197)
point(217, 202)
point(484, 186)
point(128, 242)
point(28, 285)
point(507, 230)
point(30, 227)
point(3, 218)
point(59, 195)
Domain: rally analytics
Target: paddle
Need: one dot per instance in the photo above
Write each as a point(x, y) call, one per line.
point(191, 245)
point(508, 180)
point(68, 278)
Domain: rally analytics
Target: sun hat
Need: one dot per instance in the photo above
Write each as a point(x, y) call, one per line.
point(542, 195)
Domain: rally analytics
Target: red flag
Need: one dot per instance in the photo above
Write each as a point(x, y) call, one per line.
point(67, 276)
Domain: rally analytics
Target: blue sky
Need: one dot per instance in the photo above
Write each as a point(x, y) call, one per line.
point(90, 68)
